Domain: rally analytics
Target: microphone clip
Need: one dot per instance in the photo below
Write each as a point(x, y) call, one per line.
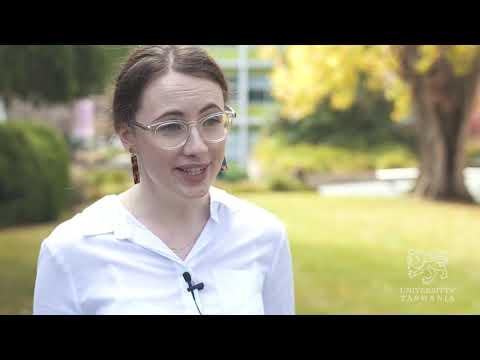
point(198, 286)
point(191, 287)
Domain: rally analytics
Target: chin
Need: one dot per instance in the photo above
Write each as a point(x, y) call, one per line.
point(196, 192)
point(193, 191)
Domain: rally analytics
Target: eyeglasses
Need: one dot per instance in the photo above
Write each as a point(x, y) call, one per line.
point(172, 134)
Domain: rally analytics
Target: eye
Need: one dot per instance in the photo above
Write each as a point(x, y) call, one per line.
point(169, 128)
point(213, 120)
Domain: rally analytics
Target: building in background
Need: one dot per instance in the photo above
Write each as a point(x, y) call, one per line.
point(250, 85)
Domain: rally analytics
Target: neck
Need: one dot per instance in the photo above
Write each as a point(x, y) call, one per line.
point(147, 203)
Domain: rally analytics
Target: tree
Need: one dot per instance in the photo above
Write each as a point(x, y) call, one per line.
point(436, 84)
point(54, 73)
point(372, 127)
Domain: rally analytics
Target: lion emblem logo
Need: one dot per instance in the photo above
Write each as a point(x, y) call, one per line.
point(427, 265)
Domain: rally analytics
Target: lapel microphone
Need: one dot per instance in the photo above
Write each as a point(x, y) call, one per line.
point(188, 280)
point(191, 287)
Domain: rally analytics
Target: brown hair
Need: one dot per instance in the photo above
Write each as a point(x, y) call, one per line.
point(146, 63)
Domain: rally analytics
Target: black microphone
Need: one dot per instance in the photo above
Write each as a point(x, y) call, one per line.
point(187, 277)
point(191, 287)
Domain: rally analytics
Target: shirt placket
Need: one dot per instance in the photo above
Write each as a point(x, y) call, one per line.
point(144, 239)
point(187, 298)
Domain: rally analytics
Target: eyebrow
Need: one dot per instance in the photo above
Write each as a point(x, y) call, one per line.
point(179, 113)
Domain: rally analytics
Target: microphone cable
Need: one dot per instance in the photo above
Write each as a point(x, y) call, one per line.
point(191, 288)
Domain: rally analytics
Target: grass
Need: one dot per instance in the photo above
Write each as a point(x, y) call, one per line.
point(18, 256)
point(349, 254)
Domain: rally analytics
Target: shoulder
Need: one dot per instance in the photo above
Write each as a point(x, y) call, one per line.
point(94, 220)
point(245, 213)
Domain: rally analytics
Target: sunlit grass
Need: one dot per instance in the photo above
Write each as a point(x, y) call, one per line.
point(349, 254)
point(18, 256)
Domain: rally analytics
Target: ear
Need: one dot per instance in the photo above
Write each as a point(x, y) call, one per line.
point(127, 137)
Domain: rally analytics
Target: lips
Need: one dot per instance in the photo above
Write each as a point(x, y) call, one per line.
point(193, 169)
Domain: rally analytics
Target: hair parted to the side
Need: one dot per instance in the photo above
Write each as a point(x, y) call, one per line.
point(148, 62)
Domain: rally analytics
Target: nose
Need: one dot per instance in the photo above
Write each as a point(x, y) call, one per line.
point(195, 144)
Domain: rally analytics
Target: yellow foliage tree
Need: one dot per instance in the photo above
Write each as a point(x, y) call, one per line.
point(434, 83)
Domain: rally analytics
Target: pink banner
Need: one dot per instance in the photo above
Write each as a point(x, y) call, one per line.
point(84, 119)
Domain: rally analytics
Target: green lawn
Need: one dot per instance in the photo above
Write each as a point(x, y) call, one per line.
point(349, 254)
point(18, 256)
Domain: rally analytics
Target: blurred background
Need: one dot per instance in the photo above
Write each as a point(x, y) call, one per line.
point(369, 154)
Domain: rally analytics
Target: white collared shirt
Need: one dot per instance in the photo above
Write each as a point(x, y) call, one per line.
point(104, 261)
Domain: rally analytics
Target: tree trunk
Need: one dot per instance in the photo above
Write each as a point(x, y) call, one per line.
point(442, 108)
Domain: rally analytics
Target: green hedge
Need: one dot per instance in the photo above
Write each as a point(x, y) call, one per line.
point(473, 153)
point(278, 158)
point(233, 174)
point(106, 182)
point(243, 186)
point(34, 173)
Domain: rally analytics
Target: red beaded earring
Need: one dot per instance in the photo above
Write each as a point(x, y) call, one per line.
point(136, 174)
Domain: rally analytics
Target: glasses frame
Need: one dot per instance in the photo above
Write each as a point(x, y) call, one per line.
point(231, 114)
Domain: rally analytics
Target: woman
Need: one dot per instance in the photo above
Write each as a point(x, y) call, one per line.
point(172, 243)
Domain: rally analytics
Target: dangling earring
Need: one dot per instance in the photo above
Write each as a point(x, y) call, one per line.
point(136, 174)
point(224, 165)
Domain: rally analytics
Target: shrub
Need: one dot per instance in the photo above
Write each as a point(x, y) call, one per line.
point(244, 186)
point(278, 158)
point(34, 173)
point(287, 183)
point(473, 153)
point(233, 174)
point(91, 184)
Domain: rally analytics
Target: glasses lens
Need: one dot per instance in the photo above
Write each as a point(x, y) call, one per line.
point(171, 134)
point(215, 127)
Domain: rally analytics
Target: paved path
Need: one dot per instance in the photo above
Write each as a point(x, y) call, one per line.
point(393, 188)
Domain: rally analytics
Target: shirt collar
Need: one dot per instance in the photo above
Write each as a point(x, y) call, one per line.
point(215, 203)
point(98, 217)
point(105, 216)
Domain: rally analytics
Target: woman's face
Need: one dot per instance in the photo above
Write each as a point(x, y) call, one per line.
point(187, 171)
